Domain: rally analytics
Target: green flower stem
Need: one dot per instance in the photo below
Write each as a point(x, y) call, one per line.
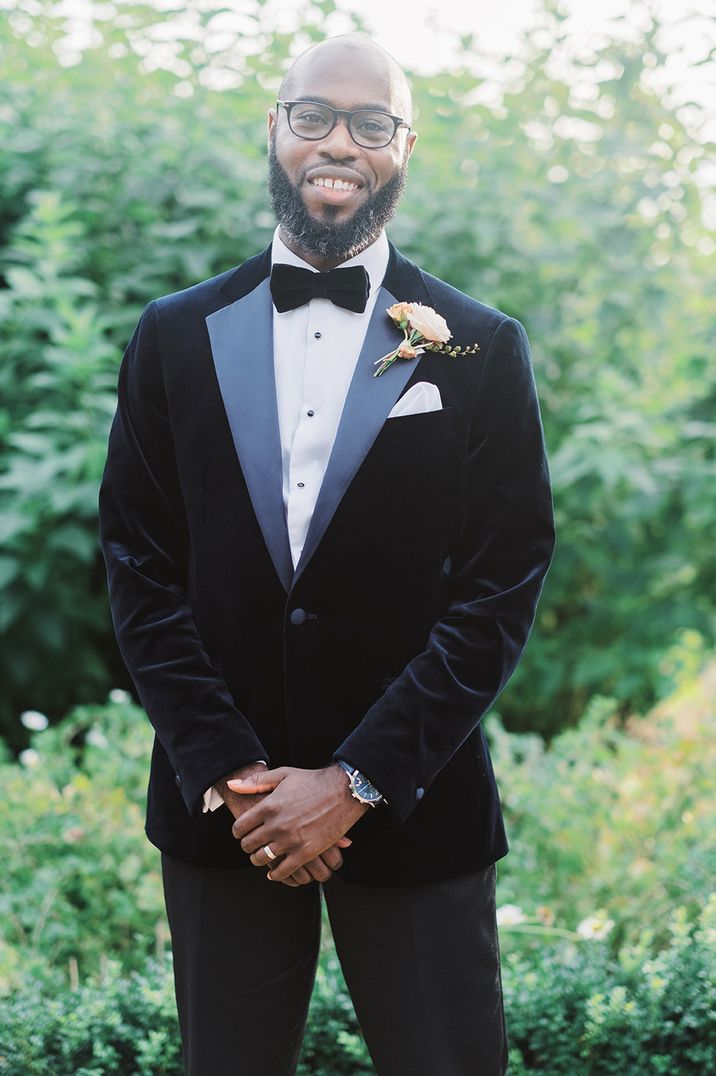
point(385, 362)
point(411, 339)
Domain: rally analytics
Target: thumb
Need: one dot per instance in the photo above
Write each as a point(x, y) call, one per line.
point(261, 781)
point(344, 842)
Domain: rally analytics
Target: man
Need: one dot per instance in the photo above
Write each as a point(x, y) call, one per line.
point(332, 575)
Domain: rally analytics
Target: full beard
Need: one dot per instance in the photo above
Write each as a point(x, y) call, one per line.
point(337, 240)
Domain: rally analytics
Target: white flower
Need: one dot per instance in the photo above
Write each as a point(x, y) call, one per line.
point(431, 324)
point(97, 738)
point(595, 926)
point(30, 758)
point(33, 719)
point(118, 695)
point(508, 915)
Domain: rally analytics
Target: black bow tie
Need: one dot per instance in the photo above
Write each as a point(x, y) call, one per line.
point(292, 286)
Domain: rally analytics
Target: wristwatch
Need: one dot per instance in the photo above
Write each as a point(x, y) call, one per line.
point(361, 788)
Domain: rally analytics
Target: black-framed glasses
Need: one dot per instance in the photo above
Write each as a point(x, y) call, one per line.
point(368, 127)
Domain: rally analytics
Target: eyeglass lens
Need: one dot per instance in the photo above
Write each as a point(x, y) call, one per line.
point(370, 129)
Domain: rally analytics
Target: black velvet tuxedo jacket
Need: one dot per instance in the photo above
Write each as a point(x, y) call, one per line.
point(411, 603)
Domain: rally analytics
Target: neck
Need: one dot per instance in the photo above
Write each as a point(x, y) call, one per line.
point(323, 264)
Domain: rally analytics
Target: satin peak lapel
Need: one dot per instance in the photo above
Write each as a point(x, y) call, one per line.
point(241, 338)
point(368, 403)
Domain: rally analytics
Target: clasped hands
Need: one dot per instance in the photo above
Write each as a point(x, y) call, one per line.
point(303, 815)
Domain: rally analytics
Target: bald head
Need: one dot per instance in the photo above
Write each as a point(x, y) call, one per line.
point(362, 61)
point(335, 191)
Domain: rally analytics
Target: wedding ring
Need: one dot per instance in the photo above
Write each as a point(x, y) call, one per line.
point(269, 853)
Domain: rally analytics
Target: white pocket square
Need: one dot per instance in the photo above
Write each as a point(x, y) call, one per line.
point(419, 398)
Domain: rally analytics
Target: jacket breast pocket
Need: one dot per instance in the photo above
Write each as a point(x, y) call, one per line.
point(426, 424)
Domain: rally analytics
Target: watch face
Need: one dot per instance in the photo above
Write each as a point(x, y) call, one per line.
point(365, 789)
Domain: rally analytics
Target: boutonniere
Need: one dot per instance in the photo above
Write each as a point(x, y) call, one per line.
point(424, 329)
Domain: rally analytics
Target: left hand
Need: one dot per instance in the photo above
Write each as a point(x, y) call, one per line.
point(306, 812)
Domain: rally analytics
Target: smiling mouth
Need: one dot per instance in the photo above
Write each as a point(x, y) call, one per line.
point(331, 184)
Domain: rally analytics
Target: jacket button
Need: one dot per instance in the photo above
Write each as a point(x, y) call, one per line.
point(298, 616)
point(177, 781)
point(419, 793)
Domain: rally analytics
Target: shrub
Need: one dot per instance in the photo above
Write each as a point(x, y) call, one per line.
point(114, 1025)
point(57, 379)
point(621, 819)
point(128, 1025)
point(80, 881)
point(610, 820)
point(577, 1012)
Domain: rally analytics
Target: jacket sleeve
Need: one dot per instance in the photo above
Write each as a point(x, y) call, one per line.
point(144, 538)
point(502, 554)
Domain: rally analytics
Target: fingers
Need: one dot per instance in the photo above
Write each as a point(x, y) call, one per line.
point(279, 873)
point(313, 871)
point(261, 858)
point(249, 787)
point(250, 821)
point(301, 877)
point(332, 858)
point(291, 863)
point(261, 781)
point(318, 869)
point(257, 840)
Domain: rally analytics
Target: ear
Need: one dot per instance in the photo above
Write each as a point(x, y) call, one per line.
point(410, 142)
point(271, 119)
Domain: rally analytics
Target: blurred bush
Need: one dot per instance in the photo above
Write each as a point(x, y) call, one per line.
point(575, 1012)
point(124, 1025)
point(133, 164)
point(579, 1012)
point(605, 824)
point(81, 884)
point(611, 821)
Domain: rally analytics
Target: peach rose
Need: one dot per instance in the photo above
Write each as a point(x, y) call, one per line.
point(405, 351)
point(400, 312)
point(431, 325)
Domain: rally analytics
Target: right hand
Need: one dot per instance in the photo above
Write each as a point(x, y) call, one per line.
point(319, 869)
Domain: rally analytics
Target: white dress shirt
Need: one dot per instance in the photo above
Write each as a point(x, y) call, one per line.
point(315, 350)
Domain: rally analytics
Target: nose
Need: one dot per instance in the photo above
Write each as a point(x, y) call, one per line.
point(338, 144)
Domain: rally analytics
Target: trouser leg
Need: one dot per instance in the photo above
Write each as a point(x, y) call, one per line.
point(422, 965)
point(245, 952)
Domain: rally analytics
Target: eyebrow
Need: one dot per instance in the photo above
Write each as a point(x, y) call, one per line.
point(316, 99)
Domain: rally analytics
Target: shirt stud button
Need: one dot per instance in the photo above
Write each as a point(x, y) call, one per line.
point(300, 484)
point(310, 413)
point(317, 335)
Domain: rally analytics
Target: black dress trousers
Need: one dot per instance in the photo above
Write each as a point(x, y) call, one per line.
point(422, 965)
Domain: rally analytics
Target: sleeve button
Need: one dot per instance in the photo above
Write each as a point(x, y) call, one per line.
point(177, 781)
point(419, 793)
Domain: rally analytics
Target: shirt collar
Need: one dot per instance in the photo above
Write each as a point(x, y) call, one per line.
point(374, 258)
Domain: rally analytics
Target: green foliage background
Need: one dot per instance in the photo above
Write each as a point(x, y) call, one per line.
point(571, 200)
point(608, 950)
point(573, 197)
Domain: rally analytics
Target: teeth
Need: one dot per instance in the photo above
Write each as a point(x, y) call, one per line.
point(335, 184)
